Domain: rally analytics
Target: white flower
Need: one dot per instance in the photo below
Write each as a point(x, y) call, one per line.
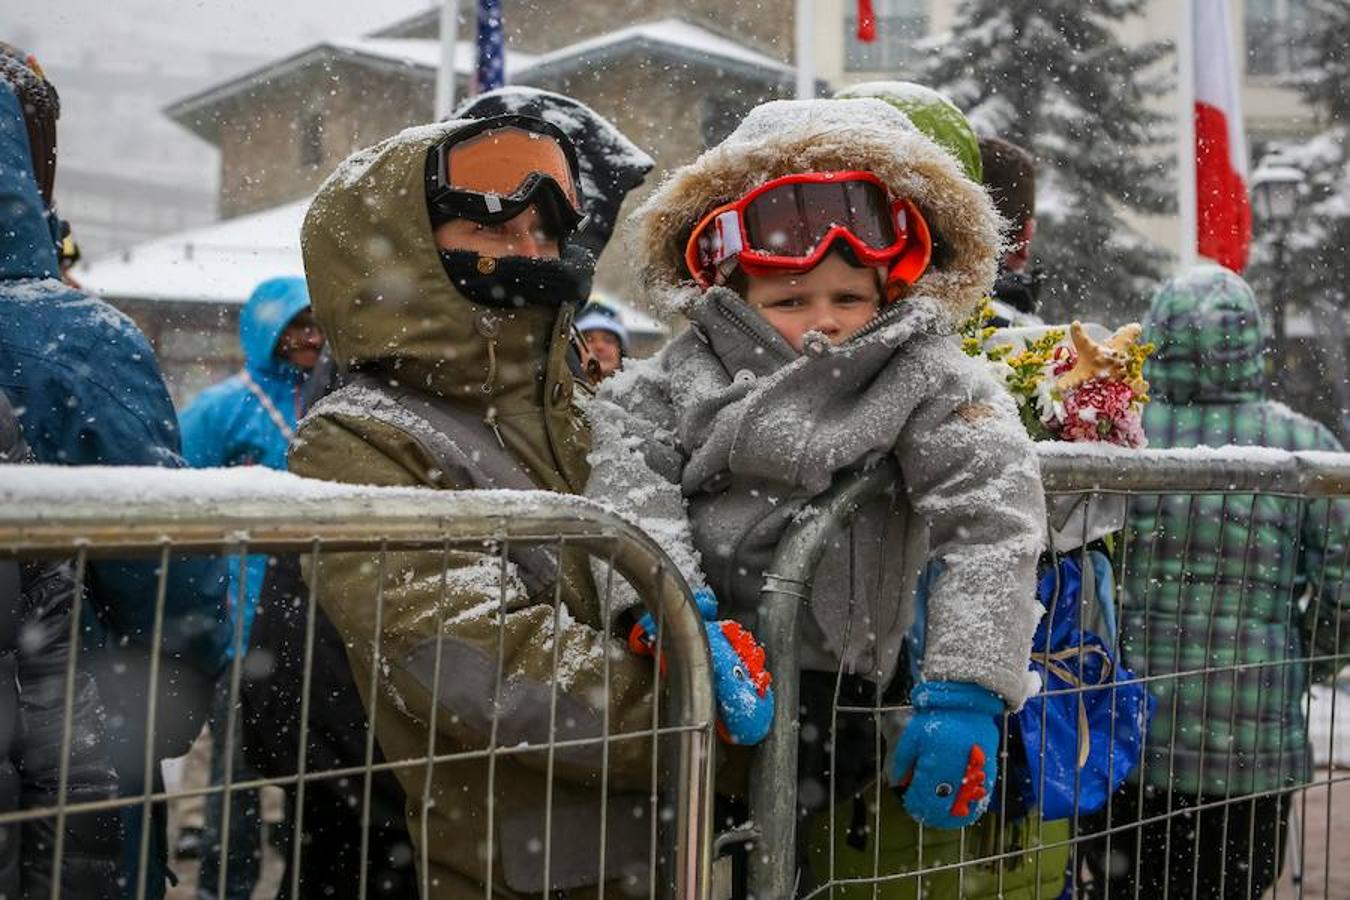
point(1049, 406)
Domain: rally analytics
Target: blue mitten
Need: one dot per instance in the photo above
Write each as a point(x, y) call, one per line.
point(947, 757)
point(744, 698)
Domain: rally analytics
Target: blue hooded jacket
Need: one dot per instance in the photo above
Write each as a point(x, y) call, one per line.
point(228, 425)
point(89, 392)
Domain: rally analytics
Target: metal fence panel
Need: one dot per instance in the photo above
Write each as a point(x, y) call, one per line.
point(1196, 541)
point(863, 846)
point(93, 514)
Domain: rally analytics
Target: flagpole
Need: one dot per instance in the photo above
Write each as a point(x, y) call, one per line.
point(1186, 196)
point(445, 76)
point(805, 20)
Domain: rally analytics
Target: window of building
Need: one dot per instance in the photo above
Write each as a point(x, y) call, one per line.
point(311, 139)
point(1272, 36)
point(900, 23)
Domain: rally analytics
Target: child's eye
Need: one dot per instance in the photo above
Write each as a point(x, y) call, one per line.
point(850, 299)
point(785, 303)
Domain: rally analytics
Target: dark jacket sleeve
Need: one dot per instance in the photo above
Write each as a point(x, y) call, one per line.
point(117, 412)
point(89, 868)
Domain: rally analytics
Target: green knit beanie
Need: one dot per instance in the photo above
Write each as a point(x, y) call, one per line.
point(933, 114)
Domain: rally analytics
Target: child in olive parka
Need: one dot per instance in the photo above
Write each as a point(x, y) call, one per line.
point(725, 438)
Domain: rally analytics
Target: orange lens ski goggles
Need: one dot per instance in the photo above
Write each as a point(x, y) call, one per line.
point(492, 170)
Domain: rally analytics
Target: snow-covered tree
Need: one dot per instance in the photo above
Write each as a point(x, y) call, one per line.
point(1312, 271)
point(1055, 77)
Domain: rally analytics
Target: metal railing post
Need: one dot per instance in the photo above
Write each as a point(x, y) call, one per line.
point(773, 778)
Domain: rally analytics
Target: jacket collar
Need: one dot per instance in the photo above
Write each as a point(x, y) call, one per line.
point(744, 341)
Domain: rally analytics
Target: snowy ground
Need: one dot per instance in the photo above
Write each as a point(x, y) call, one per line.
point(1318, 869)
point(1328, 748)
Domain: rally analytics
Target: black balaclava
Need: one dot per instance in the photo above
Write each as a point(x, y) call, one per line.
point(512, 282)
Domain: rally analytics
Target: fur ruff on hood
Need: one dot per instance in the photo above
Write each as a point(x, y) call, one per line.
point(784, 137)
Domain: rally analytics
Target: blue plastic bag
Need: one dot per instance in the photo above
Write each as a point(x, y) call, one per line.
point(1074, 758)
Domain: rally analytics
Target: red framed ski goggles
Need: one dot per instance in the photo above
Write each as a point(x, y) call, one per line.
point(790, 223)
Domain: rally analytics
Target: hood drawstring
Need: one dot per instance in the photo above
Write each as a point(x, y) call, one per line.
point(490, 419)
point(489, 327)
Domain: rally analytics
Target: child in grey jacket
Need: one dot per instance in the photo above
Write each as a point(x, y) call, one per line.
point(823, 254)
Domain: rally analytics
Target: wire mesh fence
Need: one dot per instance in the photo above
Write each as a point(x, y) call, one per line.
point(1192, 598)
point(525, 758)
point(1200, 594)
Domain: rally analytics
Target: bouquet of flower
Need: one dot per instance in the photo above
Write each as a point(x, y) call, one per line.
point(1079, 390)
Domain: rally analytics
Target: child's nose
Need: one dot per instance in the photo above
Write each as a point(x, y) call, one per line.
point(827, 324)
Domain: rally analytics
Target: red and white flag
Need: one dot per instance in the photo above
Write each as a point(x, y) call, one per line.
point(1223, 206)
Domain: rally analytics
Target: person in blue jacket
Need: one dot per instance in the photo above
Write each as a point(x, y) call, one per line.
point(249, 419)
point(88, 392)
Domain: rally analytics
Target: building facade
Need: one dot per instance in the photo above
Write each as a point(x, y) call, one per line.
point(675, 75)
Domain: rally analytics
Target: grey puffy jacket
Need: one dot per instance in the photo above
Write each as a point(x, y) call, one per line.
point(718, 444)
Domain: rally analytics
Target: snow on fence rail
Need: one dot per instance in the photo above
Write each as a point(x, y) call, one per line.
point(97, 514)
point(859, 844)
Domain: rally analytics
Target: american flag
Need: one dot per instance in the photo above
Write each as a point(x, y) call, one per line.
point(491, 50)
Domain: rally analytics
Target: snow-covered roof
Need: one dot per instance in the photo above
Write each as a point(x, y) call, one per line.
point(424, 54)
point(418, 57)
point(673, 37)
point(684, 39)
point(223, 263)
point(217, 263)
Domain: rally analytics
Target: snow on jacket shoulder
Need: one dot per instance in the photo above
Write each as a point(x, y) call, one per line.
point(731, 426)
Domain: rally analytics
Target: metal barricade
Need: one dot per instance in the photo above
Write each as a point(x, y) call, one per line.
point(88, 515)
point(1215, 518)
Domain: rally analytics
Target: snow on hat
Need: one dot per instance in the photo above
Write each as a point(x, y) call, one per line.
point(784, 137)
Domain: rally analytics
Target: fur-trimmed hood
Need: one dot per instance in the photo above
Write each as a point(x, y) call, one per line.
point(788, 136)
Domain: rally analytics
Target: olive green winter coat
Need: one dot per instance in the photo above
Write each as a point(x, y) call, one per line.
point(382, 296)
